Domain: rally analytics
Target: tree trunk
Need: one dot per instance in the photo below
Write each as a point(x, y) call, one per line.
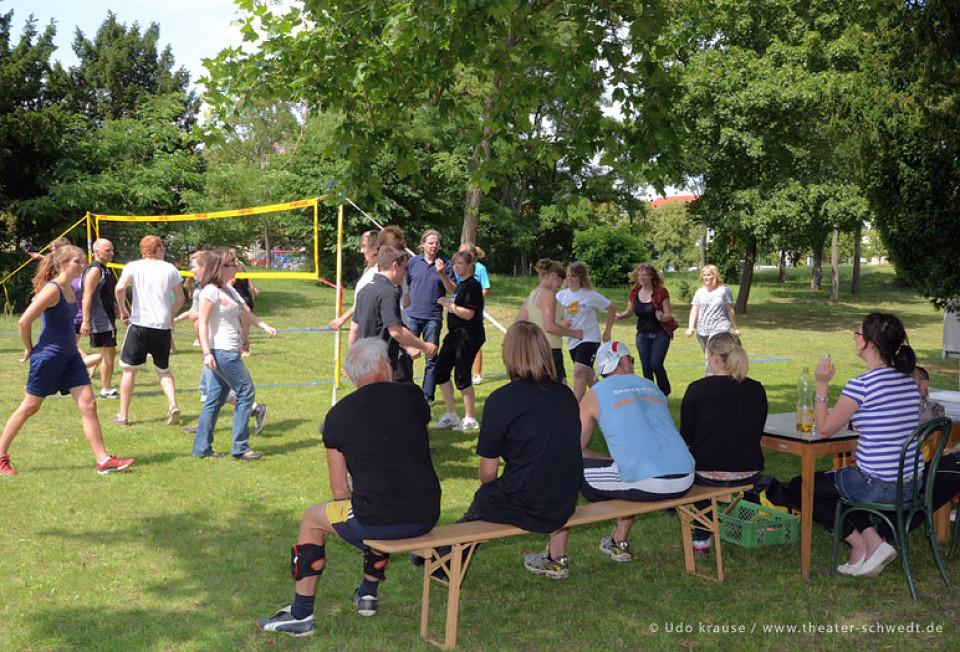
point(816, 280)
point(703, 247)
point(782, 278)
point(746, 277)
point(857, 245)
point(481, 153)
point(835, 267)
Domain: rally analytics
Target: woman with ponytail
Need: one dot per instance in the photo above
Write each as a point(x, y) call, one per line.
point(883, 405)
point(55, 363)
point(721, 419)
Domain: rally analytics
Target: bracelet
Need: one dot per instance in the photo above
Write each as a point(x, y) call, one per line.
point(207, 353)
point(822, 399)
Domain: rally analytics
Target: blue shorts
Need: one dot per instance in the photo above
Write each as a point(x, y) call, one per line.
point(54, 373)
point(340, 515)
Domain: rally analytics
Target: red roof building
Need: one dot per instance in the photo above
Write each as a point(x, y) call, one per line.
point(685, 199)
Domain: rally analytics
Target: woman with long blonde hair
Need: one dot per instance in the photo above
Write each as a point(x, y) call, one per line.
point(711, 311)
point(55, 363)
point(541, 308)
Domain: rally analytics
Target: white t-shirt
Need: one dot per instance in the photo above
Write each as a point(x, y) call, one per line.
point(224, 325)
point(153, 282)
point(365, 278)
point(579, 308)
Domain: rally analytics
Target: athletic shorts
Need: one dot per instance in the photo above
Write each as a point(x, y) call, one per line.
point(602, 481)
point(103, 340)
point(141, 341)
point(456, 354)
point(585, 353)
point(50, 374)
point(340, 515)
point(558, 363)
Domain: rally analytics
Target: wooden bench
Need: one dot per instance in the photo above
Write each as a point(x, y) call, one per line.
point(463, 538)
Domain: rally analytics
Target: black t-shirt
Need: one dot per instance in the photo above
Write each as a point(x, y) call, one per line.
point(536, 430)
point(646, 313)
point(468, 294)
point(722, 422)
point(376, 309)
point(381, 429)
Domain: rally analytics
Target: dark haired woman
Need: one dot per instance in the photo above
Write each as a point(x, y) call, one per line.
point(883, 404)
point(721, 419)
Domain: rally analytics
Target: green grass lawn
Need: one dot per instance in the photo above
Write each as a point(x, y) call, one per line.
point(183, 553)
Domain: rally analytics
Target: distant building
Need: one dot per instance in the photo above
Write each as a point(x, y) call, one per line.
point(684, 199)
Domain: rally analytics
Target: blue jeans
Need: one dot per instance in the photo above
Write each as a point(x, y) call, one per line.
point(231, 373)
point(430, 329)
point(853, 484)
point(652, 349)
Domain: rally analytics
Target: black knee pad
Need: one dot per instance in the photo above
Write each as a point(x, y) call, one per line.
point(306, 560)
point(375, 565)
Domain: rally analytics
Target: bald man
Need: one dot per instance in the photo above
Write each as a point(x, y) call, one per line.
point(100, 313)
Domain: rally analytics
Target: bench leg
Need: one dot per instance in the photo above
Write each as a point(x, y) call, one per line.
point(708, 519)
point(454, 565)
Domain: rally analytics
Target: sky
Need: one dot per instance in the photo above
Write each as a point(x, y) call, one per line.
point(194, 29)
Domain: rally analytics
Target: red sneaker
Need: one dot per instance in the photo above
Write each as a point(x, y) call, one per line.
point(112, 464)
point(5, 467)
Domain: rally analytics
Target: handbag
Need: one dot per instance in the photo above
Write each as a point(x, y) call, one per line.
point(668, 326)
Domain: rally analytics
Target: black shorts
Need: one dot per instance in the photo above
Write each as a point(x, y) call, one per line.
point(103, 340)
point(141, 341)
point(585, 353)
point(76, 328)
point(341, 517)
point(457, 354)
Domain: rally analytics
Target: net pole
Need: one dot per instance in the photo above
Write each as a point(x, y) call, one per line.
point(336, 351)
point(89, 241)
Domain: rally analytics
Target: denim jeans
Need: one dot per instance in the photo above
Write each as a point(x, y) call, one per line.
point(430, 329)
point(855, 485)
point(652, 349)
point(230, 373)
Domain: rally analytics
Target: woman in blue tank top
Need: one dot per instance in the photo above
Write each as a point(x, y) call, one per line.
point(55, 363)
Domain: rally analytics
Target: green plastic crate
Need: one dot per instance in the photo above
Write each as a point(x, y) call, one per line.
point(751, 525)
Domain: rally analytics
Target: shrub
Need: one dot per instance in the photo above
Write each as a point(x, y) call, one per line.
point(610, 253)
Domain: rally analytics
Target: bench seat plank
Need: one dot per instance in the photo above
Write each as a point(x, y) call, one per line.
point(463, 538)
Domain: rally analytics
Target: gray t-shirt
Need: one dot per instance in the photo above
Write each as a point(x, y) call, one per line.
point(713, 317)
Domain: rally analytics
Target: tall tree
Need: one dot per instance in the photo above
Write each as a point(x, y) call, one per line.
point(489, 68)
point(122, 68)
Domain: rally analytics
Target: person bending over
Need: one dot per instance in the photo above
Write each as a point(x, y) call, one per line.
point(395, 493)
point(649, 459)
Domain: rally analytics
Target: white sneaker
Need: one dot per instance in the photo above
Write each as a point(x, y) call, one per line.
point(448, 420)
point(109, 393)
point(477, 379)
point(469, 423)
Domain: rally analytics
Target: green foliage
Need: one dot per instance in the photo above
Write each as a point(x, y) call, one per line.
point(610, 253)
point(673, 236)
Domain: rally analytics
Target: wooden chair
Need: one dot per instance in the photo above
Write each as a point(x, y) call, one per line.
point(917, 502)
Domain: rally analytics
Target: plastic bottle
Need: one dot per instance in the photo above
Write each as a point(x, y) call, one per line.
point(805, 394)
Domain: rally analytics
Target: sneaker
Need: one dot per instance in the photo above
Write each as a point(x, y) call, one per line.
point(618, 550)
point(189, 430)
point(249, 456)
point(543, 564)
point(477, 379)
point(112, 465)
point(109, 393)
point(448, 420)
point(260, 414)
point(117, 421)
point(173, 416)
point(284, 622)
point(467, 424)
point(5, 467)
point(366, 604)
point(702, 546)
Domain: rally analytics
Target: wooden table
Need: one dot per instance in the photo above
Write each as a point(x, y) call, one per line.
point(780, 434)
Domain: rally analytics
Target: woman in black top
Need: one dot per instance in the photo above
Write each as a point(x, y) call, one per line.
point(721, 419)
point(650, 302)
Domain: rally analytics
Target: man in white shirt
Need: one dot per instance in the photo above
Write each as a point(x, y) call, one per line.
point(157, 293)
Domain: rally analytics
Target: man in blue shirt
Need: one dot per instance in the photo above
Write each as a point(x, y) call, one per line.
point(429, 277)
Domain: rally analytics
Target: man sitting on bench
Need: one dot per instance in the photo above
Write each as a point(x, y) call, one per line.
point(650, 459)
point(379, 435)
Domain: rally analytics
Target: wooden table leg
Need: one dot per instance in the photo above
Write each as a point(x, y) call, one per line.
point(808, 466)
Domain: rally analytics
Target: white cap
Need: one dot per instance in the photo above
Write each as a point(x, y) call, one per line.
point(608, 356)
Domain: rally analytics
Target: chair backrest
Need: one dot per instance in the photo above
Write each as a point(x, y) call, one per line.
point(912, 464)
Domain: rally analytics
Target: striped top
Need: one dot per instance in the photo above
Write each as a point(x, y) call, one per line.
point(889, 412)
